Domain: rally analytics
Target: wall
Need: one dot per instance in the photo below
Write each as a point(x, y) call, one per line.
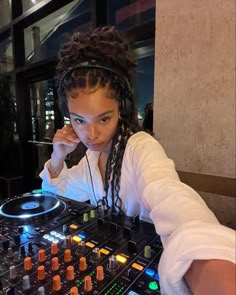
point(194, 96)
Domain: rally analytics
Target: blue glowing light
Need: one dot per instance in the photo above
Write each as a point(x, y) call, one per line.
point(150, 272)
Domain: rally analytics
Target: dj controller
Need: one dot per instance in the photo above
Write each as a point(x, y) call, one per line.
point(52, 245)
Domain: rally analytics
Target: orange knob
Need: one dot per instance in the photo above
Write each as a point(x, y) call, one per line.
point(55, 263)
point(82, 264)
point(56, 283)
point(70, 274)
point(74, 291)
point(100, 273)
point(88, 284)
point(41, 255)
point(41, 273)
point(67, 255)
point(54, 248)
point(27, 263)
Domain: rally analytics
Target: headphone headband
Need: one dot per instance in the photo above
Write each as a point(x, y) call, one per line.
point(93, 64)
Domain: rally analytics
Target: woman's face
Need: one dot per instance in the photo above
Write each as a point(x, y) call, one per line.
point(94, 117)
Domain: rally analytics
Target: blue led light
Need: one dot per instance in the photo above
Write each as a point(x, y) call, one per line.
point(132, 293)
point(37, 191)
point(157, 277)
point(150, 272)
point(82, 236)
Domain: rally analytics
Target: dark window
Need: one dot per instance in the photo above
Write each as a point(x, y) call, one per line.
point(6, 56)
point(126, 14)
point(44, 38)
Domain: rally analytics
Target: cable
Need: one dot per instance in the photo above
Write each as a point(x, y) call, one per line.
point(102, 202)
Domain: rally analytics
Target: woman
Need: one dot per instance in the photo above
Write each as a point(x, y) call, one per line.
point(128, 169)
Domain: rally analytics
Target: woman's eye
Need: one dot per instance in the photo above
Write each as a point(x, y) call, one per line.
point(79, 121)
point(105, 119)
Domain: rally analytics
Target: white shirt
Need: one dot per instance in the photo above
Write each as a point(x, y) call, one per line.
point(151, 187)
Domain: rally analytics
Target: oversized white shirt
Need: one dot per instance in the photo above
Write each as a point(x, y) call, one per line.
point(150, 188)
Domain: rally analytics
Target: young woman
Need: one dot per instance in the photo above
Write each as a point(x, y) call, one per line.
point(128, 169)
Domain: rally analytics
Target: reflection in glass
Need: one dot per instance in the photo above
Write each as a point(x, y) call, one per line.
point(27, 4)
point(126, 14)
point(5, 12)
point(6, 56)
point(9, 136)
point(43, 119)
point(44, 38)
point(144, 55)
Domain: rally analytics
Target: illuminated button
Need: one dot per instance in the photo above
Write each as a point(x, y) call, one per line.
point(85, 217)
point(137, 266)
point(53, 233)
point(92, 213)
point(104, 251)
point(61, 237)
point(150, 272)
point(41, 273)
point(73, 226)
point(82, 264)
point(88, 284)
point(50, 238)
point(67, 255)
point(121, 259)
point(70, 274)
point(147, 252)
point(74, 291)
point(56, 283)
point(27, 263)
point(38, 191)
point(90, 245)
point(46, 236)
point(57, 235)
point(83, 236)
point(153, 286)
point(76, 239)
point(55, 241)
point(157, 277)
point(132, 293)
point(41, 255)
point(54, 248)
point(55, 264)
point(100, 273)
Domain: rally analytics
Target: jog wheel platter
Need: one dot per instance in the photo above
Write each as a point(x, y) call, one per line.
point(52, 245)
point(28, 207)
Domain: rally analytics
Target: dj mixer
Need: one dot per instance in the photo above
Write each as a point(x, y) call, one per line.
point(53, 245)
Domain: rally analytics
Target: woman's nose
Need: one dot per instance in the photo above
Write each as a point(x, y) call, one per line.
point(92, 133)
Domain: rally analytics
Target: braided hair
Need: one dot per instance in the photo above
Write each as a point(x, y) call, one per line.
point(97, 59)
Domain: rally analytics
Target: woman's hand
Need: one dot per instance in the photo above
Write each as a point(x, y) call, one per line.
point(65, 142)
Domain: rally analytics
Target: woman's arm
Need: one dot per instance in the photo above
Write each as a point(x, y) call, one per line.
point(208, 277)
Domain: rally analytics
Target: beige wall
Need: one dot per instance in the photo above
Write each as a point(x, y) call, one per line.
point(194, 95)
point(194, 99)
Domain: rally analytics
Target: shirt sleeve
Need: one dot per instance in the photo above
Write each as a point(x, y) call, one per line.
point(70, 183)
point(188, 229)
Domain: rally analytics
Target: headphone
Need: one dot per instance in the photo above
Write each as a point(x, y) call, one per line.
point(93, 64)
